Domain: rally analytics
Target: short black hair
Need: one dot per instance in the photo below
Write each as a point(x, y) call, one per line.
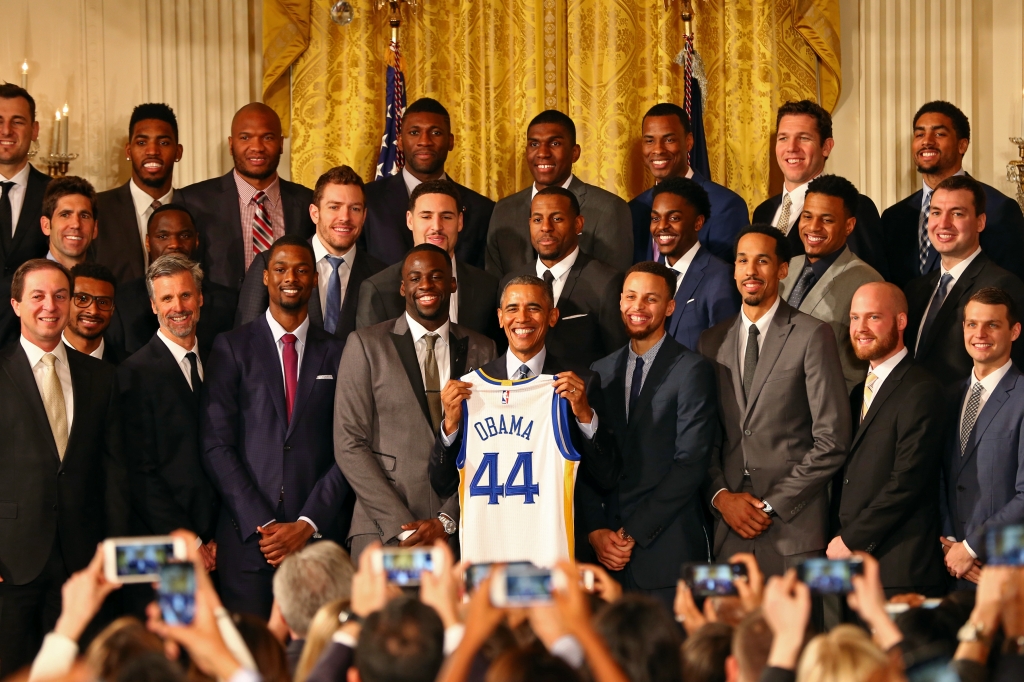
point(670, 109)
point(92, 271)
point(557, 118)
point(164, 208)
point(153, 111)
point(403, 641)
point(687, 189)
point(961, 126)
point(428, 105)
point(59, 188)
point(12, 91)
point(641, 638)
point(289, 240)
point(427, 248)
point(561, 192)
point(440, 186)
point(806, 107)
point(839, 187)
point(529, 281)
point(783, 249)
point(997, 296)
point(965, 182)
point(651, 267)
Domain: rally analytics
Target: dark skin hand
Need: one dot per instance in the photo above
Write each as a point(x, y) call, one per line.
point(278, 540)
point(742, 511)
point(426, 532)
point(614, 549)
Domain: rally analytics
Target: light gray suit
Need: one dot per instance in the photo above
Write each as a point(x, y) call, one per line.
point(607, 229)
point(382, 431)
point(829, 301)
point(792, 434)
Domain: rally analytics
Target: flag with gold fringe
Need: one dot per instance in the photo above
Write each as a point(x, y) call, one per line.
point(391, 159)
point(695, 87)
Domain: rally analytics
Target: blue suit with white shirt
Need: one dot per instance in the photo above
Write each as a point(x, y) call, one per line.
point(706, 295)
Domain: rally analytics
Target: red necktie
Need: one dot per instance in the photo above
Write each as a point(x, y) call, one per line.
point(291, 371)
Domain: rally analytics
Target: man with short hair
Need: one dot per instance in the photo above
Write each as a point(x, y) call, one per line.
point(152, 149)
point(418, 658)
point(751, 644)
point(69, 219)
point(551, 150)
point(665, 145)
point(803, 143)
point(942, 135)
point(92, 297)
point(426, 139)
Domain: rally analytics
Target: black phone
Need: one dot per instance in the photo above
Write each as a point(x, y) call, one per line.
point(829, 576)
point(713, 580)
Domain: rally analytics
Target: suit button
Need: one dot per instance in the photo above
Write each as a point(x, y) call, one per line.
point(287, 448)
point(746, 432)
point(846, 481)
point(960, 488)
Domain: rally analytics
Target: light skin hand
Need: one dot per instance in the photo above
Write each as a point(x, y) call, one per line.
point(370, 588)
point(787, 610)
point(868, 601)
point(606, 587)
point(572, 388)
point(959, 561)
point(452, 395)
point(440, 588)
point(613, 550)
point(743, 513)
point(83, 595)
point(686, 610)
point(751, 588)
point(837, 549)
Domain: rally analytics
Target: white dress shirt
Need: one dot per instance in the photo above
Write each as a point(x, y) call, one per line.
point(560, 271)
point(955, 272)
point(412, 182)
point(927, 191)
point(98, 353)
point(143, 210)
point(883, 370)
point(683, 264)
point(565, 185)
point(762, 326)
point(441, 352)
point(17, 195)
point(179, 354)
point(324, 270)
point(35, 361)
point(797, 195)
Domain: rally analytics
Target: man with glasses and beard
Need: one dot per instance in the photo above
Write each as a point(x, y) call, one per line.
point(92, 308)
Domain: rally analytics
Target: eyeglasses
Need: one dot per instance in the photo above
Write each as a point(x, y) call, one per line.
point(86, 300)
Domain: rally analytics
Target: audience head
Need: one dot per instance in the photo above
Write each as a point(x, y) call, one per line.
point(70, 218)
point(41, 297)
point(289, 275)
point(152, 146)
point(532, 664)
point(705, 652)
point(846, 654)
point(92, 293)
point(435, 214)
point(751, 644)
point(119, 648)
point(956, 218)
point(338, 209)
point(321, 629)
point(991, 325)
point(175, 286)
point(403, 642)
point(149, 666)
point(18, 125)
point(427, 285)
point(942, 135)
point(762, 261)
point(555, 224)
point(308, 579)
point(642, 638)
point(878, 318)
point(647, 300)
point(829, 215)
point(426, 138)
point(268, 654)
point(526, 311)
point(551, 148)
point(666, 141)
point(256, 143)
point(171, 229)
point(803, 141)
point(680, 209)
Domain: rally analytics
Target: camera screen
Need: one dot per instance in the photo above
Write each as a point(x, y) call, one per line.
point(1006, 546)
point(825, 576)
point(177, 594)
point(713, 580)
point(142, 559)
point(404, 568)
point(525, 583)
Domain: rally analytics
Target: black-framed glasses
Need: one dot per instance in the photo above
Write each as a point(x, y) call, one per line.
point(85, 300)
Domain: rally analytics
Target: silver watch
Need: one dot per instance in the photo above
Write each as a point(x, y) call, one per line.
point(973, 632)
point(768, 509)
point(448, 522)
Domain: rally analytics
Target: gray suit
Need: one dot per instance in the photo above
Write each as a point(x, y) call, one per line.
point(829, 301)
point(792, 434)
point(382, 431)
point(607, 229)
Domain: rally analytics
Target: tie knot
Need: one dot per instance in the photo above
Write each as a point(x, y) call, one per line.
point(524, 372)
point(977, 389)
point(259, 197)
point(156, 204)
point(335, 261)
point(430, 340)
point(288, 339)
point(870, 379)
point(548, 277)
point(753, 331)
point(192, 356)
point(6, 186)
point(49, 359)
point(639, 362)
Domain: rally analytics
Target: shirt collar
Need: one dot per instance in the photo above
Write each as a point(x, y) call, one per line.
point(246, 191)
point(928, 190)
point(684, 261)
point(177, 350)
point(277, 331)
point(990, 382)
point(35, 353)
point(143, 201)
point(20, 178)
point(821, 266)
point(565, 185)
point(559, 269)
point(418, 331)
point(412, 182)
point(320, 251)
point(651, 353)
point(885, 368)
point(959, 268)
point(765, 320)
point(797, 194)
point(98, 353)
point(536, 363)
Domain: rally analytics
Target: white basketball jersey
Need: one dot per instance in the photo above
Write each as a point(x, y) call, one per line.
point(517, 472)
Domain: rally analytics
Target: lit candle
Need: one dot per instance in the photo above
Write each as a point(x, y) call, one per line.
point(55, 140)
point(64, 131)
point(24, 74)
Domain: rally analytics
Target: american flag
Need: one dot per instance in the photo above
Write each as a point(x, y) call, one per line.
point(391, 159)
point(695, 93)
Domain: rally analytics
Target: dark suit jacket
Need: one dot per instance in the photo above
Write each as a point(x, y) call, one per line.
point(1002, 238)
point(728, 216)
point(113, 353)
point(666, 448)
point(985, 486)
point(866, 240)
point(334, 663)
point(387, 237)
point(118, 245)
point(29, 242)
point(213, 204)
point(706, 296)
point(589, 323)
point(160, 413)
point(380, 300)
point(264, 466)
point(81, 499)
point(253, 299)
point(943, 354)
point(887, 493)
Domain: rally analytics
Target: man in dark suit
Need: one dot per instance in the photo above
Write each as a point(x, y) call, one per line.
point(338, 209)
point(434, 218)
point(662, 408)
point(942, 135)
point(152, 149)
point(705, 293)
point(69, 220)
point(803, 143)
point(425, 140)
point(665, 146)
point(92, 298)
point(983, 465)
point(170, 230)
point(265, 430)
point(785, 412)
point(956, 220)
point(63, 473)
point(586, 290)
point(239, 215)
point(886, 499)
point(551, 150)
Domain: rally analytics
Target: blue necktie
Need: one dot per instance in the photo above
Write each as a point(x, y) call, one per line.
point(933, 308)
point(924, 244)
point(636, 385)
point(333, 307)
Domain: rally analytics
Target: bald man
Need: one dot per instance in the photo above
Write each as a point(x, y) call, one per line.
point(886, 501)
point(240, 214)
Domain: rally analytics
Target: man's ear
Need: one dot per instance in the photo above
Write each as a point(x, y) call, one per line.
point(353, 675)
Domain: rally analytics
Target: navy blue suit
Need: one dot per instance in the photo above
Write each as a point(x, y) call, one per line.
point(264, 466)
point(729, 215)
point(706, 296)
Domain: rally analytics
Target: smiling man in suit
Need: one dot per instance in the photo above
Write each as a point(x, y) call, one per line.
point(93, 288)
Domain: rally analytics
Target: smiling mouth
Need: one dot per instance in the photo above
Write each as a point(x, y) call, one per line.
point(666, 237)
point(638, 319)
point(178, 318)
point(523, 332)
point(816, 239)
point(291, 291)
point(545, 166)
point(428, 299)
point(153, 165)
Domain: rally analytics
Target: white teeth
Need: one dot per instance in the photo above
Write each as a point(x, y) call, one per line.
point(666, 238)
point(523, 332)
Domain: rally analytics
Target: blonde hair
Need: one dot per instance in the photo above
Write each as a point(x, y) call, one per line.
point(846, 654)
point(121, 641)
point(321, 628)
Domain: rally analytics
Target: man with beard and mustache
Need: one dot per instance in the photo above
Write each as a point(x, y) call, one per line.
point(240, 214)
point(92, 307)
point(786, 416)
point(885, 500)
point(389, 409)
point(265, 430)
point(152, 149)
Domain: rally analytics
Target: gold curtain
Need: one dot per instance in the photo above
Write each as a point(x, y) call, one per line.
point(285, 37)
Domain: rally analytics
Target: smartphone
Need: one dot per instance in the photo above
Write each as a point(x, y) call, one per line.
point(1005, 545)
point(475, 574)
point(523, 584)
point(177, 593)
point(712, 580)
point(403, 565)
point(138, 560)
point(829, 576)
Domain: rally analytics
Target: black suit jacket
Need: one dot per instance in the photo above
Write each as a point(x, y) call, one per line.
point(81, 499)
point(943, 353)
point(866, 240)
point(160, 413)
point(589, 323)
point(387, 237)
point(29, 242)
point(118, 245)
point(886, 498)
point(214, 205)
point(113, 353)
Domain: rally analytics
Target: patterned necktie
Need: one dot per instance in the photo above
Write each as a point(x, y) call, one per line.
point(193, 361)
point(783, 223)
point(433, 382)
point(635, 385)
point(53, 403)
point(869, 393)
point(750, 359)
point(156, 204)
point(802, 286)
point(970, 416)
point(933, 308)
point(524, 373)
point(291, 371)
point(262, 230)
point(924, 245)
point(6, 218)
point(333, 305)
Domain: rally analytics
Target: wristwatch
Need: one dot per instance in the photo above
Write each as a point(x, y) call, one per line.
point(768, 509)
point(448, 522)
point(347, 616)
point(973, 632)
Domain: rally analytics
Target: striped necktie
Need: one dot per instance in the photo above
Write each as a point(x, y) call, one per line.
point(869, 393)
point(262, 230)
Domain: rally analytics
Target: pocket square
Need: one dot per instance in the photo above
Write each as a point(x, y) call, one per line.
point(573, 317)
point(690, 301)
point(324, 376)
